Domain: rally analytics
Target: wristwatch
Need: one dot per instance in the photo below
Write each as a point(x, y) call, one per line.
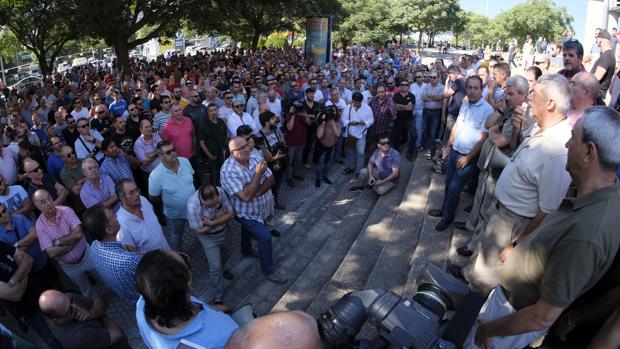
point(56, 243)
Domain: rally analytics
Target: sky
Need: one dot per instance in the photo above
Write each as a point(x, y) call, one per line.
point(577, 8)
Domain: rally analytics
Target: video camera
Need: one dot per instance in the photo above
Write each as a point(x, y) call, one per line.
point(328, 113)
point(440, 315)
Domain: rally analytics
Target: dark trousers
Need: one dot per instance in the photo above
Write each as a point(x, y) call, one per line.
point(310, 144)
point(278, 177)
point(456, 179)
point(321, 159)
point(432, 119)
point(259, 231)
point(214, 170)
point(401, 129)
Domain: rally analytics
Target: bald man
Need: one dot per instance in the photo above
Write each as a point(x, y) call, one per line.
point(80, 322)
point(584, 89)
point(293, 329)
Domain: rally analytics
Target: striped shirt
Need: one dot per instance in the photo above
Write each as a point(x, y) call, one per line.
point(48, 231)
point(160, 120)
point(429, 90)
point(117, 267)
point(234, 177)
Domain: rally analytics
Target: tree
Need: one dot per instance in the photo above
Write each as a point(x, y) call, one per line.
point(247, 20)
point(42, 26)
point(370, 22)
point(431, 16)
point(535, 17)
point(477, 31)
point(9, 46)
point(125, 24)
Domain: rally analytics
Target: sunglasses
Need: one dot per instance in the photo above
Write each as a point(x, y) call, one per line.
point(433, 77)
point(404, 84)
point(384, 143)
point(36, 169)
point(168, 152)
point(131, 110)
point(69, 155)
point(185, 260)
point(228, 98)
point(84, 126)
point(100, 112)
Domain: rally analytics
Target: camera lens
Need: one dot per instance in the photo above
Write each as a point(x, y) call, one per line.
point(434, 299)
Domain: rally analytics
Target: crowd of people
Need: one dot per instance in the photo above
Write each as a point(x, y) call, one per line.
point(102, 174)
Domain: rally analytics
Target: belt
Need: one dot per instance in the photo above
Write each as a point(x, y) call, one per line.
point(436, 109)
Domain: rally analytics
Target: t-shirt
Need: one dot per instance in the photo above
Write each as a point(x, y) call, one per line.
point(214, 135)
point(608, 62)
point(124, 141)
point(459, 88)
point(7, 259)
point(49, 184)
point(87, 334)
point(14, 198)
point(404, 115)
point(385, 164)
point(296, 136)
point(569, 252)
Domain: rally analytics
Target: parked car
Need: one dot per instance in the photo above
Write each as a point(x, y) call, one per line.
point(63, 67)
point(33, 80)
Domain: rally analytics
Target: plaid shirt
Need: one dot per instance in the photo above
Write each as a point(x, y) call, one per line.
point(48, 231)
point(116, 167)
point(234, 177)
point(383, 112)
point(196, 212)
point(117, 268)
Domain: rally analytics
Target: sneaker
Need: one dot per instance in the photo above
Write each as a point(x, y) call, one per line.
point(356, 189)
point(461, 225)
point(308, 166)
point(290, 183)
point(298, 177)
point(428, 155)
point(317, 183)
point(277, 278)
point(228, 275)
point(346, 171)
point(275, 233)
point(326, 180)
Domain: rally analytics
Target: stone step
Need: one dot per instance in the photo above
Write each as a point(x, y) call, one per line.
point(357, 264)
point(248, 277)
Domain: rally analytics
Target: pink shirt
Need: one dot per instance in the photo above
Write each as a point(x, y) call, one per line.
point(48, 231)
point(181, 135)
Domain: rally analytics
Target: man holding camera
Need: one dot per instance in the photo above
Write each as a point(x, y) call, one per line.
point(247, 180)
point(276, 153)
point(327, 135)
point(383, 168)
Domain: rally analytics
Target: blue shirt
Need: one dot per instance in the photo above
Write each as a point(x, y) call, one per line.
point(21, 226)
point(118, 108)
point(385, 164)
point(116, 167)
point(54, 166)
point(175, 188)
point(210, 329)
point(471, 125)
point(117, 268)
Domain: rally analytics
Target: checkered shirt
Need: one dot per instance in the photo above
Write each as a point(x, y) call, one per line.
point(48, 231)
point(117, 268)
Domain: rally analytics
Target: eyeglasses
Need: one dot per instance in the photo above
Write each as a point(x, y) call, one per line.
point(84, 126)
point(100, 112)
point(229, 97)
point(237, 106)
point(185, 260)
point(245, 146)
point(168, 152)
point(384, 143)
point(36, 169)
point(196, 96)
point(419, 77)
point(404, 84)
point(133, 191)
point(433, 77)
point(69, 155)
point(167, 102)
point(131, 110)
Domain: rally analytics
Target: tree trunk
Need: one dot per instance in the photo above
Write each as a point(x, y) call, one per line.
point(420, 46)
point(121, 48)
point(43, 65)
point(255, 38)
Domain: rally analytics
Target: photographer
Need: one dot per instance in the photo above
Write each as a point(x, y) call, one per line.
point(276, 146)
point(312, 109)
point(296, 122)
point(327, 135)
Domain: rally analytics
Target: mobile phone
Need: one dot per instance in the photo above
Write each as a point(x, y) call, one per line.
point(185, 344)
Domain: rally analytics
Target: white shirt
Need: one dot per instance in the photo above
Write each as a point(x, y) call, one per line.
point(145, 235)
point(234, 121)
point(223, 112)
point(8, 165)
point(536, 178)
point(416, 90)
point(275, 107)
point(84, 147)
point(318, 96)
point(346, 95)
point(364, 113)
point(82, 114)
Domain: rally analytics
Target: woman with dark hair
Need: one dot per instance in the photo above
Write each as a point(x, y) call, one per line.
point(166, 312)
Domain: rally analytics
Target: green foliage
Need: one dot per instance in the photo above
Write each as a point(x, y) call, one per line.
point(277, 40)
point(535, 17)
point(9, 46)
point(369, 22)
point(478, 30)
point(42, 26)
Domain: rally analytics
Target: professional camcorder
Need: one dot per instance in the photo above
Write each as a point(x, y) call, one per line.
point(328, 113)
point(440, 315)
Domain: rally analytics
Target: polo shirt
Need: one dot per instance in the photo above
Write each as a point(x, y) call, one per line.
point(385, 163)
point(214, 134)
point(569, 252)
point(234, 177)
point(174, 188)
point(70, 176)
point(14, 198)
point(181, 134)
point(144, 234)
point(536, 178)
point(20, 227)
point(209, 328)
point(48, 231)
point(54, 165)
point(404, 115)
point(117, 267)
point(471, 125)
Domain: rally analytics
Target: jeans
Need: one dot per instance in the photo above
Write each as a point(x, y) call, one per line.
point(212, 245)
point(355, 156)
point(456, 179)
point(432, 119)
point(321, 160)
point(338, 147)
point(77, 273)
point(294, 158)
point(176, 228)
point(417, 131)
point(254, 229)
